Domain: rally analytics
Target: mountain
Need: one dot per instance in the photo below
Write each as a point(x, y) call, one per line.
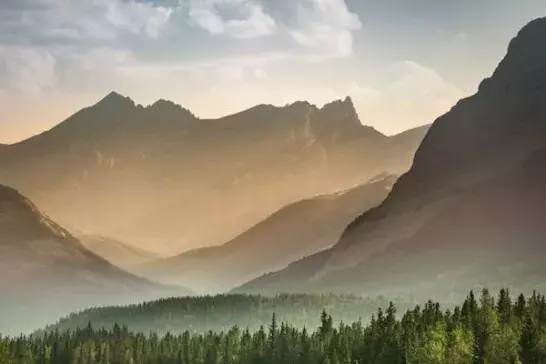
point(159, 177)
point(470, 210)
point(291, 233)
point(43, 266)
point(116, 252)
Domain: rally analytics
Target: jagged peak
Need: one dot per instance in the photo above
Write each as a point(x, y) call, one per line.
point(10, 194)
point(163, 104)
point(341, 109)
point(301, 103)
point(13, 202)
point(11, 197)
point(114, 98)
point(341, 104)
point(525, 56)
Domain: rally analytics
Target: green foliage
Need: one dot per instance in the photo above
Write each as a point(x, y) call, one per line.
point(460, 346)
point(5, 353)
point(484, 331)
point(221, 312)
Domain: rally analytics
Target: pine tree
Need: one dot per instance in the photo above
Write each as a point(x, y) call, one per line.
point(273, 333)
point(521, 305)
point(504, 306)
point(529, 341)
point(5, 354)
point(460, 346)
point(486, 334)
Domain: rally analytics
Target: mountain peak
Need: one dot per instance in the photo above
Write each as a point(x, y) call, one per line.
point(345, 106)
point(348, 101)
point(524, 62)
point(23, 214)
point(164, 102)
point(341, 109)
point(171, 107)
point(114, 98)
point(9, 194)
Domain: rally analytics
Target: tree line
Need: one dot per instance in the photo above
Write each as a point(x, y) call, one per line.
point(483, 330)
point(221, 312)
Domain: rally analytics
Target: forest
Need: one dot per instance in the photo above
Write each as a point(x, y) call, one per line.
point(201, 314)
point(485, 329)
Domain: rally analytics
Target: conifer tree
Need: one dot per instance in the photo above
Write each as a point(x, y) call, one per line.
point(529, 341)
point(5, 354)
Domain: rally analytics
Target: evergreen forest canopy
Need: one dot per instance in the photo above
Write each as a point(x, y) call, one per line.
point(484, 330)
point(221, 312)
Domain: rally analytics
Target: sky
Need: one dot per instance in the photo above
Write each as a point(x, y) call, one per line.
point(403, 62)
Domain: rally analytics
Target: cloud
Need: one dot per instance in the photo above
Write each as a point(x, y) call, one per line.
point(138, 17)
point(365, 95)
point(404, 94)
point(26, 70)
point(250, 19)
point(97, 69)
point(409, 80)
point(48, 44)
point(45, 21)
point(326, 26)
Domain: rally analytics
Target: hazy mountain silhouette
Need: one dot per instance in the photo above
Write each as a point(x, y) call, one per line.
point(293, 232)
point(42, 264)
point(470, 210)
point(157, 177)
point(116, 252)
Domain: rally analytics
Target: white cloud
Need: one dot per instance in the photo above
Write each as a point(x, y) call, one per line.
point(326, 26)
point(252, 21)
point(84, 20)
point(365, 95)
point(409, 80)
point(138, 17)
point(98, 69)
point(56, 43)
point(27, 70)
point(403, 95)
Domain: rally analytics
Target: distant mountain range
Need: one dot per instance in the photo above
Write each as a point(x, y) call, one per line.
point(43, 265)
point(291, 233)
point(159, 178)
point(471, 209)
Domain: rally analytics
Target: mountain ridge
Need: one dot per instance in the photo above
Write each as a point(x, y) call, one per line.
point(483, 140)
point(294, 231)
point(154, 176)
point(41, 262)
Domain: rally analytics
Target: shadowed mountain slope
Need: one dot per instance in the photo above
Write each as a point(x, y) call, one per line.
point(470, 209)
point(42, 264)
point(291, 233)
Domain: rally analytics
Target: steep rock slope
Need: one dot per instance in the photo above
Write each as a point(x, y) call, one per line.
point(158, 177)
point(291, 233)
point(469, 210)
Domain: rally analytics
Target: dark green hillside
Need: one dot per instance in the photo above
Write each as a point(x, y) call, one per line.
point(217, 313)
point(483, 330)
